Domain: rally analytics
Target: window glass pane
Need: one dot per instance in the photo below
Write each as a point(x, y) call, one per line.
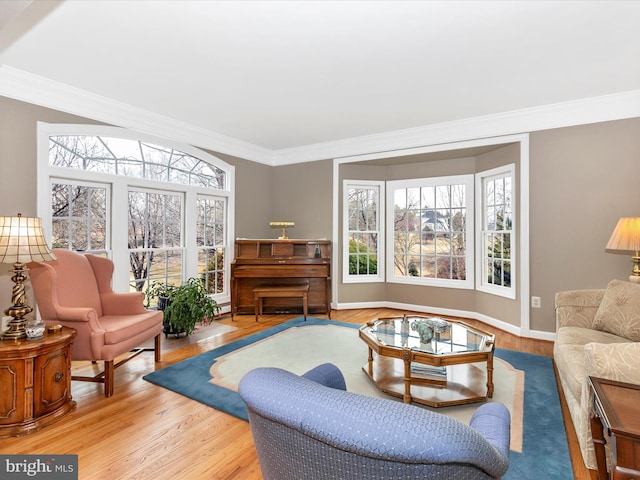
point(443, 197)
point(458, 267)
point(428, 267)
point(133, 158)
point(428, 198)
point(489, 189)
point(211, 268)
point(497, 225)
point(444, 267)
point(400, 199)
point(429, 229)
point(506, 246)
point(155, 265)
point(155, 230)
point(79, 217)
point(210, 221)
point(362, 222)
point(458, 196)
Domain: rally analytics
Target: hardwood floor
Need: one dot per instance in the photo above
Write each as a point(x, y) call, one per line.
point(147, 432)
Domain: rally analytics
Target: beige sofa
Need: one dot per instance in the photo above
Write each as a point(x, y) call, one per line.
point(597, 334)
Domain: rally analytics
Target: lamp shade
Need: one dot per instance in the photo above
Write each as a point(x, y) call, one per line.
point(22, 240)
point(626, 235)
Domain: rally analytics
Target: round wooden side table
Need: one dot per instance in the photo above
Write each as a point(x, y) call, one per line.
point(35, 382)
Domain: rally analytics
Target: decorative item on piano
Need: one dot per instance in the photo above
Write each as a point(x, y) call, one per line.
point(284, 226)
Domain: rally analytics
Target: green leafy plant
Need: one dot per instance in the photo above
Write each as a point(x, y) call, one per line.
point(188, 305)
point(162, 291)
point(362, 260)
point(184, 306)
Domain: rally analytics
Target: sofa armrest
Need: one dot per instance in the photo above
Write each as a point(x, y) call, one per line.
point(493, 422)
point(577, 308)
point(328, 375)
point(615, 361)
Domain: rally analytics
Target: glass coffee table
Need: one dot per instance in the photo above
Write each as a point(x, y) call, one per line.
point(429, 360)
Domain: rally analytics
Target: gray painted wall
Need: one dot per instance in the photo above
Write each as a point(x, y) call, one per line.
point(582, 179)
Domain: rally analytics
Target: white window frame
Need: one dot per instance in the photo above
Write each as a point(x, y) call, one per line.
point(379, 276)
point(481, 220)
point(468, 181)
point(164, 249)
point(225, 246)
point(75, 183)
point(120, 185)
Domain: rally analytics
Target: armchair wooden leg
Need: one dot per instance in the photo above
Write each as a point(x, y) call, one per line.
point(157, 348)
point(108, 378)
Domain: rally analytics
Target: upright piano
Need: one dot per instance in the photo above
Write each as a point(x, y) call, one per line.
point(264, 263)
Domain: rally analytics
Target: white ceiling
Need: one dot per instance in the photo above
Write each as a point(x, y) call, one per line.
point(312, 77)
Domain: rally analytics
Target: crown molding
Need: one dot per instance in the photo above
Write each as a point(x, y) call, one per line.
point(24, 86)
point(579, 112)
point(20, 85)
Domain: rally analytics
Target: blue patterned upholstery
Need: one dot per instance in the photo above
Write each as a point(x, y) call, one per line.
point(310, 427)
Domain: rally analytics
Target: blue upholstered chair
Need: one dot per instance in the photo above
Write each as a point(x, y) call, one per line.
point(310, 427)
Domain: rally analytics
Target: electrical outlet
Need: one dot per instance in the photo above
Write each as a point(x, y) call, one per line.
point(535, 302)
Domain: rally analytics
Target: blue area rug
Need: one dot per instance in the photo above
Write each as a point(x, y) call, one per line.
point(545, 452)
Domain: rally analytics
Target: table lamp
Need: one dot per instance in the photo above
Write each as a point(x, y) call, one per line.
point(626, 237)
point(283, 226)
point(21, 242)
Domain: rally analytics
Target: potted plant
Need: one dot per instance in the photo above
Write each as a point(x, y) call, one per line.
point(188, 305)
point(162, 291)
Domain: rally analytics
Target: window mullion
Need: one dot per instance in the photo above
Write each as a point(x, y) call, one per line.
point(118, 215)
point(189, 229)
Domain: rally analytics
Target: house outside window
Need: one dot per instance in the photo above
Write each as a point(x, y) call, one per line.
point(431, 230)
point(363, 211)
point(496, 217)
point(160, 210)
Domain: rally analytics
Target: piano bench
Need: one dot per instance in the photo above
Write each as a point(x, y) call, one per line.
point(282, 291)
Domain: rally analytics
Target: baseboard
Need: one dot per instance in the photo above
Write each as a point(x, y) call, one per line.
point(494, 322)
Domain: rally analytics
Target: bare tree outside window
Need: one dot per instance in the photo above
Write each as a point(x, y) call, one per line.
point(363, 225)
point(79, 217)
point(406, 228)
point(498, 229)
point(155, 230)
point(81, 210)
point(211, 242)
point(133, 158)
point(429, 231)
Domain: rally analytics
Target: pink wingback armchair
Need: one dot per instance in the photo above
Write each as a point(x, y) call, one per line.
point(75, 291)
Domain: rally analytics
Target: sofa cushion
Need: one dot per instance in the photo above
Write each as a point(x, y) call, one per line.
point(120, 328)
point(581, 336)
point(619, 312)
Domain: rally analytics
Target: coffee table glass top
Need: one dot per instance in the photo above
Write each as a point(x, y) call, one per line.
point(429, 334)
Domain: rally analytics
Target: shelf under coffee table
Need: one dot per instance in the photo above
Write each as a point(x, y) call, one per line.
point(429, 360)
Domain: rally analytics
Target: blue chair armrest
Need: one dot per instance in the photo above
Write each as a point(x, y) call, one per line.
point(493, 422)
point(328, 375)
